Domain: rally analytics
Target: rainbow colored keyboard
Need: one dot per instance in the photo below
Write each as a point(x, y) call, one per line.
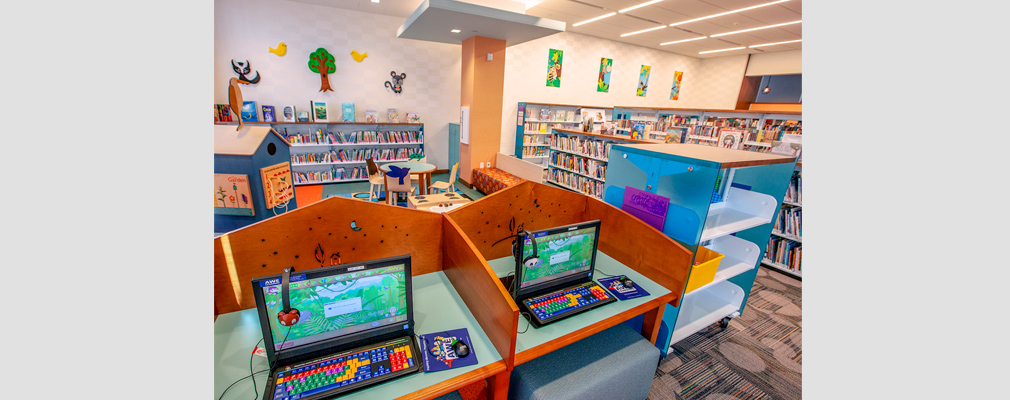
point(566, 302)
point(348, 371)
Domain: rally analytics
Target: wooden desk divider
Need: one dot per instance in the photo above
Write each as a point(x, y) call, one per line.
point(489, 222)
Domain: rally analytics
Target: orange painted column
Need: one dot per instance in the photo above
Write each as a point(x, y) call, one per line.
point(482, 88)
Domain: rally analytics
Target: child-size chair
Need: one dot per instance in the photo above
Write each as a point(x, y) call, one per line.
point(393, 186)
point(374, 178)
point(446, 185)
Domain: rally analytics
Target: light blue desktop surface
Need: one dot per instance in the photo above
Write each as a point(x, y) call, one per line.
point(605, 265)
point(437, 307)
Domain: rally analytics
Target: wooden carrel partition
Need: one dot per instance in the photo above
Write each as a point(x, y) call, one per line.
point(490, 222)
point(340, 230)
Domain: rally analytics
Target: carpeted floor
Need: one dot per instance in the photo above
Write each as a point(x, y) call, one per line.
point(758, 356)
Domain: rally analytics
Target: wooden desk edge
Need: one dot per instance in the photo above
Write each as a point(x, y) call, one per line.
point(590, 330)
point(457, 382)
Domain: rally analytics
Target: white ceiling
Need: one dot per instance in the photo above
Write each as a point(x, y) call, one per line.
point(660, 14)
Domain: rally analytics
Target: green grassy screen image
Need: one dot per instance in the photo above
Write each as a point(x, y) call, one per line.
point(563, 254)
point(338, 305)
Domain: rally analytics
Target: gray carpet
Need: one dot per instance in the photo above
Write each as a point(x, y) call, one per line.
point(758, 356)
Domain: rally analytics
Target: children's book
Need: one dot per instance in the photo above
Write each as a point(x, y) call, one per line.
point(303, 116)
point(371, 116)
point(559, 115)
point(437, 353)
point(223, 113)
point(545, 114)
point(637, 130)
point(249, 111)
point(319, 113)
point(413, 118)
point(268, 114)
point(571, 116)
point(348, 112)
point(392, 115)
point(288, 113)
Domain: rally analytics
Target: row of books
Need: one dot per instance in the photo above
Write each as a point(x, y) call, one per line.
point(535, 151)
point(541, 127)
point(794, 194)
point(590, 147)
point(356, 137)
point(732, 123)
point(351, 155)
point(587, 166)
point(334, 174)
point(531, 139)
point(546, 115)
point(785, 252)
point(789, 222)
point(577, 182)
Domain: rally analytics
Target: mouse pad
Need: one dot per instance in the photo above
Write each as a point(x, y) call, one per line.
point(621, 292)
point(441, 344)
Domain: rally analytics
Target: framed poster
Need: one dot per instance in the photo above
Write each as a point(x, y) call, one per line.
point(232, 195)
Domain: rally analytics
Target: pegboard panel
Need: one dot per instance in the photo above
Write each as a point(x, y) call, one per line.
point(490, 221)
point(641, 247)
point(333, 231)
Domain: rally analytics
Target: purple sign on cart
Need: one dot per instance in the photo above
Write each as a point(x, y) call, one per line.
point(648, 207)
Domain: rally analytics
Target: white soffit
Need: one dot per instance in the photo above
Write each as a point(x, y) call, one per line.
point(434, 19)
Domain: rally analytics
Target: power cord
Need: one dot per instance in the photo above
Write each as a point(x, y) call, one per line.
point(251, 374)
point(240, 380)
point(604, 273)
point(527, 323)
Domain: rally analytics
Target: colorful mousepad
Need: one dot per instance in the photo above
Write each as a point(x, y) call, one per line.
point(621, 292)
point(437, 352)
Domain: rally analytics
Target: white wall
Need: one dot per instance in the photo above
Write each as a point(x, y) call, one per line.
point(245, 30)
point(778, 63)
point(709, 83)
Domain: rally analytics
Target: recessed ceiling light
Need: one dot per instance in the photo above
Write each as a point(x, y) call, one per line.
point(375, 1)
point(772, 44)
point(728, 12)
point(716, 51)
point(644, 30)
point(594, 19)
point(682, 41)
point(454, 31)
point(757, 29)
point(639, 6)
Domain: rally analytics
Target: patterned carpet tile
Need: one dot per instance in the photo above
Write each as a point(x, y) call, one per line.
point(758, 356)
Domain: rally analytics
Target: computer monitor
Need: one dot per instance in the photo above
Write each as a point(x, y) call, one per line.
point(341, 305)
point(567, 254)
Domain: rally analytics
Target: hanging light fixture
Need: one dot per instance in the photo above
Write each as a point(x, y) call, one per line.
point(766, 90)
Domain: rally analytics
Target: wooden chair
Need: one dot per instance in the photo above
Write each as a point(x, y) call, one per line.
point(374, 178)
point(393, 186)
point(446, 185)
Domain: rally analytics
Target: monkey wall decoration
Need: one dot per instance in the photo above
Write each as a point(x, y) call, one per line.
point(397, 83)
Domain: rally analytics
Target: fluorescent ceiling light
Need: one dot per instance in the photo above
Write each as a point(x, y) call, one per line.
point(728, 12)
point(375, 1)
point(644, 30)
point(772, 44)
point(454, 31)
point(716, 51)
point(757, 29)
point(639, 6)
point(685, 40)
point(594, 19)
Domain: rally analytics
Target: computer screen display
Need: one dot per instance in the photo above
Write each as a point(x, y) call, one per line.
point(337, 302)
point(566, 254)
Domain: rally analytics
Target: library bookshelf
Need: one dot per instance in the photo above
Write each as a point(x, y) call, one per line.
point(336, 152)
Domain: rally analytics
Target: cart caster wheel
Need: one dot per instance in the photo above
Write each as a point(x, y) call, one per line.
point(723, 323)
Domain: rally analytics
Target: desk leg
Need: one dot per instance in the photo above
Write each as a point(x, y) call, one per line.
point(427, 182)
point(498, 386)
point(650, 324)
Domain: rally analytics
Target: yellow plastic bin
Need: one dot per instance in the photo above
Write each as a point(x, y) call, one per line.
point(706, 264)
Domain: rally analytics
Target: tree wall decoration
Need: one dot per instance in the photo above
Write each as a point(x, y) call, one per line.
point(321, 62)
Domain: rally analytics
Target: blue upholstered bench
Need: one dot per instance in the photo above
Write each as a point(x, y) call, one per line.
point(615, 364)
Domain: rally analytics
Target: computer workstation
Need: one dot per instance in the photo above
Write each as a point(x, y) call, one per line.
point(623, 245)
point(360, 337)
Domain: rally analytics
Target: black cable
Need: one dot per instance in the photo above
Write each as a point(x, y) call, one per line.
point(512, 287)
point(251, 374)
point(527, 323)
point(604, 273)
point(240, 380)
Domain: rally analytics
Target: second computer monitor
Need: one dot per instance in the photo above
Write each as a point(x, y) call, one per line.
point(567, 255)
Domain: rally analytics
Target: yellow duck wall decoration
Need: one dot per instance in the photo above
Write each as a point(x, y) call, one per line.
point(358, 56)
point(281, 49)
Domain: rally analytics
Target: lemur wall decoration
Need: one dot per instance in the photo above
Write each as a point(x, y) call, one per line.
point(234, 91)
